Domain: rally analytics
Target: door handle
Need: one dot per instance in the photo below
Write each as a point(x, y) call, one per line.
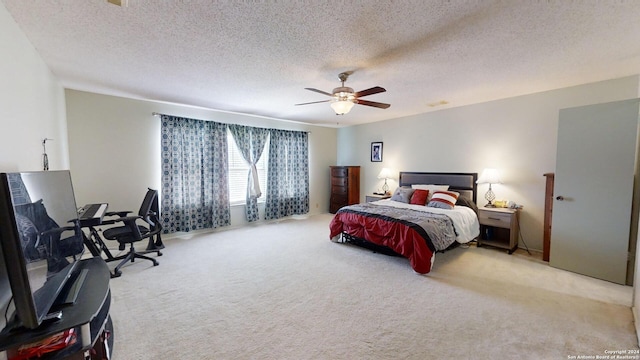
point(560, 198)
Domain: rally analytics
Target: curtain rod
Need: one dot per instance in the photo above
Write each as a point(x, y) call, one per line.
point(160, 114)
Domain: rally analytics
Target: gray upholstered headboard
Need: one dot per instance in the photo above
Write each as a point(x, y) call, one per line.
point(464, 183)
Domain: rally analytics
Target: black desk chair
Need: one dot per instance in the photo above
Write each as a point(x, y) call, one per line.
point(131, 232)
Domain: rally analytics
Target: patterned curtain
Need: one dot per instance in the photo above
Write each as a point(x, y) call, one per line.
point(250, 141)
point(19, 192)
point(195, 189)
point(288, 174)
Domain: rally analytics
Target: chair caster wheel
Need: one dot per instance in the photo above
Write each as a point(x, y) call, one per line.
point(116, 274)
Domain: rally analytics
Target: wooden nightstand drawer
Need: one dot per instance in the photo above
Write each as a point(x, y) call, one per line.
point(497, 219)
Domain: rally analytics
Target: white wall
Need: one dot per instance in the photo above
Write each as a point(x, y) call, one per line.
point(31, 108)
point(516, 135)
point(114, 147)
point(31, 105)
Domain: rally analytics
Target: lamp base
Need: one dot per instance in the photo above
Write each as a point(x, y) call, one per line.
point(385, 187)
point(490, 196)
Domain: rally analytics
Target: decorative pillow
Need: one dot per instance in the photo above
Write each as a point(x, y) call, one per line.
point(419, 197)
point(444, 199)
point(402, 194)
point(465, 201)
point(432, 188)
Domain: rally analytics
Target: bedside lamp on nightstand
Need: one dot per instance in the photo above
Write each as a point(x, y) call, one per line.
point(385, 174)
point(489, 176)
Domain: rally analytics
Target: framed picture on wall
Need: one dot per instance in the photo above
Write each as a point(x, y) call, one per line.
point(376, 152)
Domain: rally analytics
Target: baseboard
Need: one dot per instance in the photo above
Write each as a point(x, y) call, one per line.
point(189, 234)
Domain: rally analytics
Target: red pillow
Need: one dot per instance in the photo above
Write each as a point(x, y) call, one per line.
point(419, 197)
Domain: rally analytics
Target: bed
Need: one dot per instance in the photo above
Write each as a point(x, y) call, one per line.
point(415, 231)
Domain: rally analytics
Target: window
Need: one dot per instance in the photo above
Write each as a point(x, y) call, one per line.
point(239, 171)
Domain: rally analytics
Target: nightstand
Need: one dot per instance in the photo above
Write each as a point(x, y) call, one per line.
point(499, 228)
point(375, 197)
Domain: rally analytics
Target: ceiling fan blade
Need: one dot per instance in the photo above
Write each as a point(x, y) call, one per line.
point(373, 90)
point(319, 91)
point(372, 103)
point(313, 102)
point(119, 2)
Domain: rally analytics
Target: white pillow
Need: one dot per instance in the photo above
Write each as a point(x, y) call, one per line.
point(432, 189)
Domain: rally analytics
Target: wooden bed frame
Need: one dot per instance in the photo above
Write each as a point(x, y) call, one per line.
point(463, 183)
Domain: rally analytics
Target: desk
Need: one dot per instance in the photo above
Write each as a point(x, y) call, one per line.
point(93, 242)
point(96, 245)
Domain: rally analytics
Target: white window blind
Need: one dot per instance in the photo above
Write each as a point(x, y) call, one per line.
point(239, 171)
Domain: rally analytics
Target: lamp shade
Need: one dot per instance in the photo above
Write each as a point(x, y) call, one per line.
point(385, 173)
point(489, 176)
point(342, 107)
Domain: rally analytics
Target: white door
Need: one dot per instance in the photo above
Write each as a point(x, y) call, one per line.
point(594, 188)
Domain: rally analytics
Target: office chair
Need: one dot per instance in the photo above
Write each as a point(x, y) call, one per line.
point(131, 232)
point(41, 237)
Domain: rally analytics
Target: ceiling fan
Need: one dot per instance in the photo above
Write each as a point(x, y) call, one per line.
point(343, 98)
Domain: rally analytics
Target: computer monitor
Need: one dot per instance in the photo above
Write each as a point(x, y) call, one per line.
point(40, 239)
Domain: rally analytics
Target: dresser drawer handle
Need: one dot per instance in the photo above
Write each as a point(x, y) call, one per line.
point(492, 218)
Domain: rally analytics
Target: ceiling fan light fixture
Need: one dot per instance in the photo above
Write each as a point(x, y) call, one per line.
point(341, 107)
point(343, 98)
point(344, 91)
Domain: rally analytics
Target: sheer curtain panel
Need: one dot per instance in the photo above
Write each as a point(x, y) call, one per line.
point(195, 190)
point(250, 140)
point(288, 169)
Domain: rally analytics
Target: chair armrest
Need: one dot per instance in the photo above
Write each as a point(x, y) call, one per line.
point(130, 222)
point(118, 219)
point(117, 213)
point(58, 230)
point(128, 218)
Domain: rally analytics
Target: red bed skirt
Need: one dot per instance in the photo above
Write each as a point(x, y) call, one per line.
point(399, 236)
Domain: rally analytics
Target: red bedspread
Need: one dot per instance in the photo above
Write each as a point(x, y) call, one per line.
point(403, 237)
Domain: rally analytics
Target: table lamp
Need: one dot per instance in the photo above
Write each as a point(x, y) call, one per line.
point(489, 176)
point(385, 174)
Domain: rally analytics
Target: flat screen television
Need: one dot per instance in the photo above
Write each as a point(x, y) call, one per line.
point(40, 240)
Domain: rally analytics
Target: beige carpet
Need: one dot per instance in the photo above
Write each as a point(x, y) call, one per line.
point(284, 291)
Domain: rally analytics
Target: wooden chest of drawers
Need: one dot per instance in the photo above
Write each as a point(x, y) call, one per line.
point(345, 186)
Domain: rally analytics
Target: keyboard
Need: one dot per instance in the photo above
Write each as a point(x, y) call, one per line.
point(92, 214)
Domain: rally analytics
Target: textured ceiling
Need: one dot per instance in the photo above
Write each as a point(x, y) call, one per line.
point(256, 57)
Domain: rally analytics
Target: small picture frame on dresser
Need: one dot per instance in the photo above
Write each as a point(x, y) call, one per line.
point(376, 151)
